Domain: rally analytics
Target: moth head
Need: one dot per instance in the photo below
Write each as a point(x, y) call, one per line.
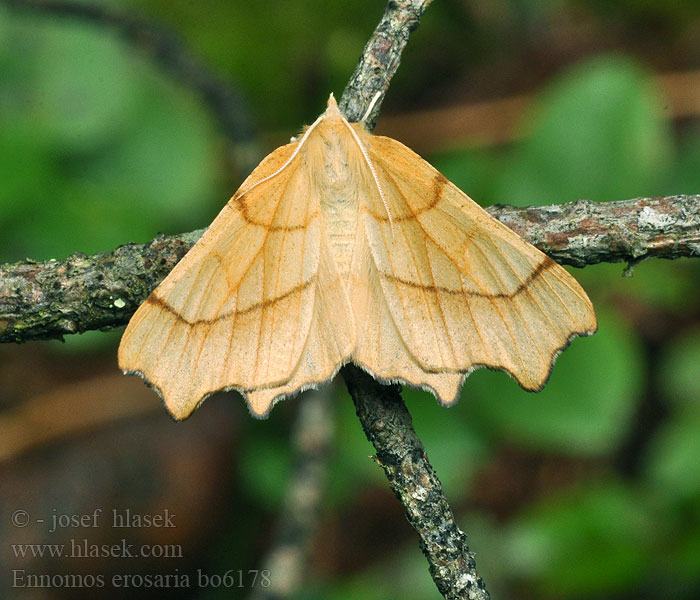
point(332, 104)
point(332, 112)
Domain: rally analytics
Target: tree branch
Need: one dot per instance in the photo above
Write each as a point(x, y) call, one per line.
point(387, 424)
point(313, 433)
point(586, 233)
point(380, 59)
point(45, 300)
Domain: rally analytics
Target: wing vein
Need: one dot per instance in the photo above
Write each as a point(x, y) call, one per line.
point(145, 338)
point(438, 302)
point(523, 286)
point(497, 276)
point(265, 306)
point(526, 287)
point(197, 311)
point(293, 367)
point(187, 298)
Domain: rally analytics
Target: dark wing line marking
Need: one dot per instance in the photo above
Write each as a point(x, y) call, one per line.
point(202, 299)
point(553, 327)
point(155, 300)
point(438, 183)
point(247, 219)
point(503, 312)
point(545, 265)
point(237, 199)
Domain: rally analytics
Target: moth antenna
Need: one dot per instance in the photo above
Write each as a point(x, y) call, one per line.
point(371, 106)
point(370, 164)
point(289, 160)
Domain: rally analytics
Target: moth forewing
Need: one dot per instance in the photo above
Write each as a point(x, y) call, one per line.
point(344, 246)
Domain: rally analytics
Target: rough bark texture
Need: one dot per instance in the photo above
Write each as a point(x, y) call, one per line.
point(380, 59)
point(387, 424)
point(44, 300)
point(585, 233)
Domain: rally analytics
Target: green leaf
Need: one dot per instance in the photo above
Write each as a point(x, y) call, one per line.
point(163, 164)
point(675, 455)
point(96, 147)
point(588, 543)
point(83, 87)
point(27, 171)
point(584, 408)
point(680, 369)
point(598, 132)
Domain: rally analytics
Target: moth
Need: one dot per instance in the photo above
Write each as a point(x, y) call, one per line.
point(340, 247)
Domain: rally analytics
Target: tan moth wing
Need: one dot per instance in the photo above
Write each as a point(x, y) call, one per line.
point(381, 350)
point(452, 289)
point(345, 246)
point(257, 305)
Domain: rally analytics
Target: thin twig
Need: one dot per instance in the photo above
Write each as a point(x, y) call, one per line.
point(46, 300)
point(380, 59)
point(312, 436)
point(387, 424)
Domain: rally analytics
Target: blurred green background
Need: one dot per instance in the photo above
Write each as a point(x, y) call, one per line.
point(589, 489)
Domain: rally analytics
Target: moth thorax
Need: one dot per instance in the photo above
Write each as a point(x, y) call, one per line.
point(337, 173)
